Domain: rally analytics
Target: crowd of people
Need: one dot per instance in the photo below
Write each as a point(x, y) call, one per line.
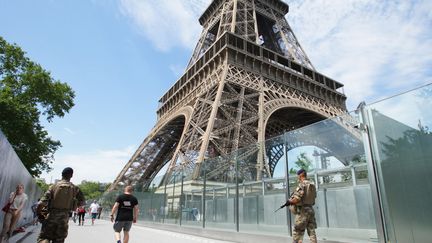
point(94, 210)
point(62, 201)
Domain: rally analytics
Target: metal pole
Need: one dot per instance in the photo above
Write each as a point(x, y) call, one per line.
point(326, 207)
point(181, 198)
point(353, 175)
point(172, 204)
point(365, 127)
point(203, 218)
point(151, 203)
point(237, 206)
point(257, 208)
point(165, 202)
point(287, 195)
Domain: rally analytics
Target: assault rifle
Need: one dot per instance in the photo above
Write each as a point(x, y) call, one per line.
point(285, 204)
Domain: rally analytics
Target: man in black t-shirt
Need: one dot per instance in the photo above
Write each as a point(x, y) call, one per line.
point(126, 206)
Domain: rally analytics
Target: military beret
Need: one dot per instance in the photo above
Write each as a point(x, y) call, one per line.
point(301, 171)
point(67, 171)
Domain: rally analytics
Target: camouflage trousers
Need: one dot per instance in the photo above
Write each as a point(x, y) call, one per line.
point(54, 227)
point(305, 220)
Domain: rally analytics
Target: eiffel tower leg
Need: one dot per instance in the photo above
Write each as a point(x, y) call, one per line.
point(234, 17)
point(207, 134)
point(261, 133)
point(255, 23)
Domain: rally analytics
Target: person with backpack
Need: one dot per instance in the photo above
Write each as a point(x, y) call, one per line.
point(54, 207)
point(301, 202)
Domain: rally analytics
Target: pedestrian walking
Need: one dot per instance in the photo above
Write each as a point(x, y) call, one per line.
point(93, 210)
point(12, 210)
point(81, 214)
point(34, 211)
point(301, 202)
point(74, 215)
point(54, 208)
point(125, 210)
point(99, 212)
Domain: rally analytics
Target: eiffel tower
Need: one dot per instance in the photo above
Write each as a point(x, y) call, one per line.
point(248, 80)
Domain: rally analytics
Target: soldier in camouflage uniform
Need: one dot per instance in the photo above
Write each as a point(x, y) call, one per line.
point(301, 202)
point(54, 208)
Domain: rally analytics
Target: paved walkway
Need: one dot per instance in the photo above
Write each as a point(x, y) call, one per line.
point(102, 232)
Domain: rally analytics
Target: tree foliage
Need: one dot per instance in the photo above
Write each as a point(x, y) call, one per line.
point(27, 94)
point(357, 159)
point(303, 162)
point(414, 145)
point(93, 190)
point(42, 184)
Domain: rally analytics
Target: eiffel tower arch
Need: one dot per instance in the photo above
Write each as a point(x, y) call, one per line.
point(248, 80)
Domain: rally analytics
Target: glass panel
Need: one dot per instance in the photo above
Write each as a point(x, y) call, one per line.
point(220, 193)
point(332, 153)
point(402, 147)
point(157, 200)
point(192, 199)
point(172, 191)
point(262, 189)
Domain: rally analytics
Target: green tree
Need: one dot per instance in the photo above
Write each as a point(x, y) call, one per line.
point(28, 93)
point(91, 189)
point(302, 162)
point(357, 159)
point(42, 184)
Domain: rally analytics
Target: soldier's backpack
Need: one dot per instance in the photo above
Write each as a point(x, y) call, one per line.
point(310, 194)
point(63, 196)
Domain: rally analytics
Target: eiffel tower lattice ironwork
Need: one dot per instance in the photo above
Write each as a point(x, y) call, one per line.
point(248, 79)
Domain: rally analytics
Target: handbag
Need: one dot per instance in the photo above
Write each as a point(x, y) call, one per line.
point(8, 205)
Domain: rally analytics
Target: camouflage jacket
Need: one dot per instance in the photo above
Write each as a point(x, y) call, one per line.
point(48, 196)
point(299, 192)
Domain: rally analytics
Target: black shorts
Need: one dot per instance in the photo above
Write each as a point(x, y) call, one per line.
point(122, 225)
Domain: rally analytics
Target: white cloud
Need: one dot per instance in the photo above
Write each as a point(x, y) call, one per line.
point(177, 70)
point(101, 165)
point(410, 108)
point(375, 48)
point(166, 23)
point(69, 131)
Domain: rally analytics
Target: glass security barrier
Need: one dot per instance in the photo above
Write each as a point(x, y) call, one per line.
point(12, 173)
point(371, 169)
point(332, 152)
point(401, 142)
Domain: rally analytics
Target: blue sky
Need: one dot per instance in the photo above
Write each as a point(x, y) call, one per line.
point(121, 56)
